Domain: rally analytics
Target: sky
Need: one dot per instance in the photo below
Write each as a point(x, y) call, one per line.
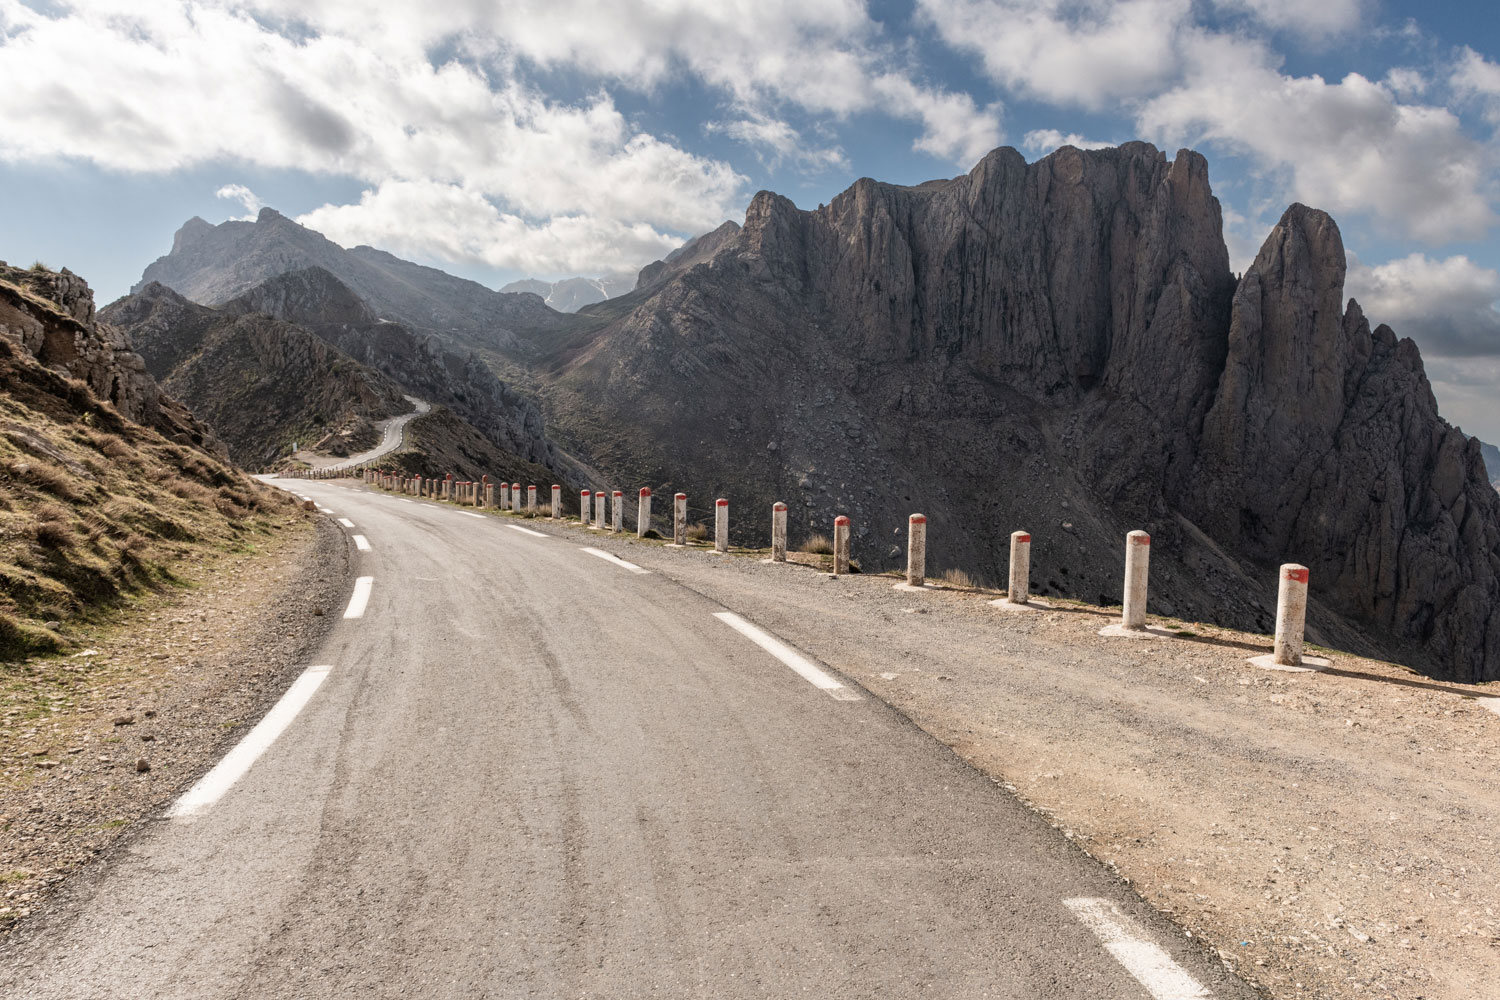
point(551, 138)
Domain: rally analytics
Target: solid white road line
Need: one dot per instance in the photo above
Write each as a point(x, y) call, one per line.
point(360, 597)
point(216, 782)
point(324, 509)
point(362, 543)
point(811, 673)
point(616, 560)
point(528, 531)
point(470, 513)
point(346, 522)
point(1152, 967)
point(432, 505)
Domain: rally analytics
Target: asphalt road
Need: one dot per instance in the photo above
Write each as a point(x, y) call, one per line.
point(528, 771)
point(393, 436)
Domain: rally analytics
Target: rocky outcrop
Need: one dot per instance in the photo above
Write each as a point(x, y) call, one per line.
point(50, 316)
point(265, 385)
point(213, 264)
point(1059, 346)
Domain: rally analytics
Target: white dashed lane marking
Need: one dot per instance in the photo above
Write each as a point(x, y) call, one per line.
point(360, 598)
point(808, 670)
point(616, 560)
point(346, 522)
point(1147, 961)
point(528, 531)
point(362, 543)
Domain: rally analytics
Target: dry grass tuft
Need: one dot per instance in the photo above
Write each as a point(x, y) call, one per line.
point(958, 578)
point(45, 476)
point(817, 545)
point(697, 532)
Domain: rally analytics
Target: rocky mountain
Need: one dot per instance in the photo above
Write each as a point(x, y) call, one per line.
point(213, 264)
point(1491, 456)
point(265, 385)
point(49, 315)
point(1058, 346)
point(571, 294)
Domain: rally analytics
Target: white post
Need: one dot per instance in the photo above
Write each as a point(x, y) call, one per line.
point(584, 501)
point(515, 498)
point(916, 550)
point(840, 545)
point(679, 519)
point(643, 513)
point(778, 532)
point(1020, 568)
point(489, 495)
point(1137, 571)
point(599, 512)
point(531, 499)
point(1291, 615)
point(721, 525)
point(617, 499)
point(556, 503)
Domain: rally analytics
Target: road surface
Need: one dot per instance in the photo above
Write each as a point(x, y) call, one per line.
point(519, 768)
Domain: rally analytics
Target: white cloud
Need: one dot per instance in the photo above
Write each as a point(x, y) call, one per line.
point(956, 130)
point(1349, 146)
point(1405, 82)
point(1450, 306)
point(1313, 20)
point(247, 198)
point(1044, 140)
point(448, 222)
point(1475, 77)
point(1092, 53)
point(776, 142)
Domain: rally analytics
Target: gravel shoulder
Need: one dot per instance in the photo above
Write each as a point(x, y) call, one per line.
point(1331, 834)
point(94, 745)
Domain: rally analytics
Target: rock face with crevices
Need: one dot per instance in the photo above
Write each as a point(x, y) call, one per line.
point(1058, 346)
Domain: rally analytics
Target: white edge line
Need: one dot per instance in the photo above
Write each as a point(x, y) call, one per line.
point(346, 522)
point(809, 672)
point(470, 513)
point(212, 786)
point(360, 598)
point(517, 527)
point(600, 553)
point(1147, 961)
point(362, 543)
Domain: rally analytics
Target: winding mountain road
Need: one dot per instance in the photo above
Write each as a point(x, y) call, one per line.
point(393, 436)
point(525, 765)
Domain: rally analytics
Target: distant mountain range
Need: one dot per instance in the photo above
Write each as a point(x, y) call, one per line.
point(571, 294)
point(1058, 346)
point(1491, 463)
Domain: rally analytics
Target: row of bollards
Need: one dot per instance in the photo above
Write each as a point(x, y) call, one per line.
point(608, 514)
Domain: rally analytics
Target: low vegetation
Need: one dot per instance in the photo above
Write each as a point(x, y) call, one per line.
point(817, 545)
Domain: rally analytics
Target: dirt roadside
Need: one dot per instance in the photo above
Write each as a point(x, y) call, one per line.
point(93, 744)
point(1331, 834)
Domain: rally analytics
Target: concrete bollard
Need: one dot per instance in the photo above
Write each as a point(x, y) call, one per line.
point(617, 499)
point(531, 499)
point(721, 525)
point(583, 506)
point(679, 519)
point(489, 495)
point(840, 545)
point(556, 503)
point(1137, 571)
point(1020, 568)
point(778, 532)
point(916, 550)
point(643, 513)
point(515, 498)
point(600, 516)
point(1291, 615)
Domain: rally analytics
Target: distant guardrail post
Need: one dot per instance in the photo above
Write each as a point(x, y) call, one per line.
point(721, 525)
point(489, 495)
point(1137, 575)
point(778, 532)
point(531, 499)
point(679, 519)
point(840, 545)
point(556, 503)
point(643, 513)
point(1019, 591)
point(617, 501)
point(916, 550)
point(1291, 615)
point(583, 506)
